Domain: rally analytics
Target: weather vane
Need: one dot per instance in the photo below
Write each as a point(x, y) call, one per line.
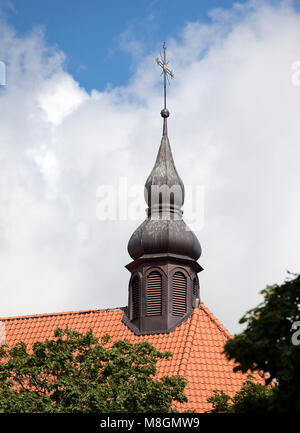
point(162, 62)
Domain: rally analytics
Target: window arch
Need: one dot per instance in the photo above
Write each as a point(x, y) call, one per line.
point(154, 294)
point(179, 294)
point(135, 297)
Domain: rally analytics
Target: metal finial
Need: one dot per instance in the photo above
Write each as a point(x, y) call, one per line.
point(166, 72)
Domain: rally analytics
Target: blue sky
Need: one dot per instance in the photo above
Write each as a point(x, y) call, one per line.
point(103, 39)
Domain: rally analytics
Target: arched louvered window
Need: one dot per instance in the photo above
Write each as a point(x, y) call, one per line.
point(135, 297)
point(179, 294)
point(195, 288)
point(154, 294)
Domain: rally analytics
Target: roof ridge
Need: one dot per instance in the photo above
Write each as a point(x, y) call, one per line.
point(213, 319)
point(221, 327)
point(188, 345)
point(62, 313)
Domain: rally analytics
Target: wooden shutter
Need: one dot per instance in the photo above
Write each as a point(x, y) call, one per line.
point(195, 287)
point(154, 294)
point(179, 294)
point(135, 297)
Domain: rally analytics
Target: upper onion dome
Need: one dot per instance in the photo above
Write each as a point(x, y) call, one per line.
point(164, 178)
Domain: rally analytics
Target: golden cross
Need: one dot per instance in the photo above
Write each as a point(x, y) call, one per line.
point(162, 62)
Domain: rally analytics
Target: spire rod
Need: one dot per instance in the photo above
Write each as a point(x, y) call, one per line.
point(166, 72)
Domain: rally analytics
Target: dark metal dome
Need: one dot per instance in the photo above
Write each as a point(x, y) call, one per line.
point(164, 237)
point(164, 231)
point(164, 177)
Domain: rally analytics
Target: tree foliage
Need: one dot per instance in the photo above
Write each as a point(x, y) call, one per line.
point(268, 345)
point(252, 397)
point(74, 372)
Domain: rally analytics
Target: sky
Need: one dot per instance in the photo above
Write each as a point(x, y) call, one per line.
point(80, 129)
point(104, 41)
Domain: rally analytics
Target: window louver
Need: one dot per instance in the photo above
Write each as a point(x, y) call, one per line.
point(195, 287)
point(154, 294)
point(179, 294)
point(135, 298)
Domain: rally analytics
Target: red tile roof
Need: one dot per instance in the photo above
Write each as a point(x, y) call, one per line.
point(196, 345)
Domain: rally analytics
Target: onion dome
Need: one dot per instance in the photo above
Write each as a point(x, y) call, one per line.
point(164, 231)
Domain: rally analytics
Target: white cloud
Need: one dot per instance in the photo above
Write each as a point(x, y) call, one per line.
point(233, 128)
point(60, 96)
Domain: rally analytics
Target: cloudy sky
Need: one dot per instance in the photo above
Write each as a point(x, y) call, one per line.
point(69, 139)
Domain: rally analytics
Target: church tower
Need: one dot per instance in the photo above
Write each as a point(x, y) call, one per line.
point(164, 286)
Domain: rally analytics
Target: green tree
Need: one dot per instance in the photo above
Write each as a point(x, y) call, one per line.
point(74, 372)
point(252, 397)
point(269, 344)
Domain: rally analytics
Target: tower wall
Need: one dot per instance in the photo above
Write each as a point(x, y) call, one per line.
point(167, 293)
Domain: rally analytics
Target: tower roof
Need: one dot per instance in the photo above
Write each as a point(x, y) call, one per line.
point(164, 231)
point(164, 173)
